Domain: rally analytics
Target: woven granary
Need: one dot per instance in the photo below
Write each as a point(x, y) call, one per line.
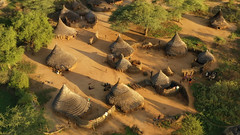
point(70, 104)
point(60, 59)
point(121, 47)
point(123, 64)
point(218, 21)
point(91, 17)
point(205, 57)
point(125, 98)
point(176, 47)
point(160, 80)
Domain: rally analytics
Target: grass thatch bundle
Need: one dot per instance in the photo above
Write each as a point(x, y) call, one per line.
point(176, 47)
point(218, 21)
point(60, 60)
point(125, 98)
point(121, 47)
point(70, 104)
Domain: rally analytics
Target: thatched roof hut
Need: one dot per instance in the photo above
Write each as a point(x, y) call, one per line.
point(91, 17)
point(205, 57)
point(70, 104)
point(79, 8)
point(160, 80)
point(125, 98)
point(63, 30)
point(60, 60)
point(218, 21)
point(176, 47)
point(123, 64)
point(232, 130)
point(69, 15)
point(121, 47)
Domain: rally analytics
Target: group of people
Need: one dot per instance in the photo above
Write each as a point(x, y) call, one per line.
point(188, 78)
point(211, 75)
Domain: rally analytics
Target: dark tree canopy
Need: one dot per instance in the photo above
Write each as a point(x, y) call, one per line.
point(9, 52)
point(33, 29)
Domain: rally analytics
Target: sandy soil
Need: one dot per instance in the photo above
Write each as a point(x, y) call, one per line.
point(92, 70)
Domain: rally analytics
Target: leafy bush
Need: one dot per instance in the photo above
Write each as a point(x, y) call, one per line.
point(44, 96)
point(22, 120)
point(219, 102)
point(25, 97)
point(194, 43)
point(7, 99)
point(168, 29)
point(26, 66)
point(190, 126)
point(18, 80)
point(33, 29)
point(232, 36)
point(4, 77)
point(219, 40)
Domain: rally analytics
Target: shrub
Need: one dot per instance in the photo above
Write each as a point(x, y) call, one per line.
point(26, 97)
point(168, 29)
point(194, 43)
point(7, 99)
point(4, 77)
point(26, 66)
point(219, 40)
point(18, 80)
point(190, 126)
point(232, 36)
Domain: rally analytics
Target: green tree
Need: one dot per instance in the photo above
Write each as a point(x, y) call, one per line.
point(44, 6)
point(33, 29)
point(190, 126)
point(22, 120)
point(139, 12)
point(18, 80)
point(9, 52)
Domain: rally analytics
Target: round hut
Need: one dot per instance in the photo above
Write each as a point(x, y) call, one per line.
point(62, 31)
point(218, 21)
point(70, 104)
point(121, 47)
point(176, 47)
point(60, 60)
point(91, 17)
point(125, 98)
point(160, 81)
point(205, 57)
point(70, 16)
point(79, 8)
point(123, 64)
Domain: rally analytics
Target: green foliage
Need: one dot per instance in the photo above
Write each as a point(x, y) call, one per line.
point(26, 66)
point(179, 7)
point(232, 36)
point(140, 13)
point(22, 120)
point(190, 126)
point(231, 12)
point(26, 97)
point(168, 29)
point(194, 43)
point(44, 96)
point(219, 102)
point(33, 29)
point(44, 6)
point(4, 77)
point(7, 99)
point(9, 53)
point(18, 80)
point(219, 40)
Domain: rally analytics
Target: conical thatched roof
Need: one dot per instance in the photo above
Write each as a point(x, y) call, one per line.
point(70, 104)
point(79, 8)
point(61, 60)
point(125, 98)
point(91, 17)
point(121, 47)
point(160, 80)
point(176, 47)
point(63, 30)
point(205, 57)
point(70, 15)
point(218, 21)
point(123, 64)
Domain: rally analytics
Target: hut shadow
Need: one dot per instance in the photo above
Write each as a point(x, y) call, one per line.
point(39, 56)
point(197, 20)
point(94, 56)
point(100, 44)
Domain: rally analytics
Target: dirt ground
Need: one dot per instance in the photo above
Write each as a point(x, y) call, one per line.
point(92, 70)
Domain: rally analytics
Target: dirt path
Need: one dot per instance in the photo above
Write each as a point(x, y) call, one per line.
point(92, 70)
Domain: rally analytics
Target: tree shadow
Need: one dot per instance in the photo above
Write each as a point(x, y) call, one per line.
point(39, 56)
point(197, 20)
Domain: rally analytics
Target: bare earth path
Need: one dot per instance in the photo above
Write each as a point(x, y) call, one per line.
point(92, 70)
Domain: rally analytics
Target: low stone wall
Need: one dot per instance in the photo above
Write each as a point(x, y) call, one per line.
point(97, 121)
